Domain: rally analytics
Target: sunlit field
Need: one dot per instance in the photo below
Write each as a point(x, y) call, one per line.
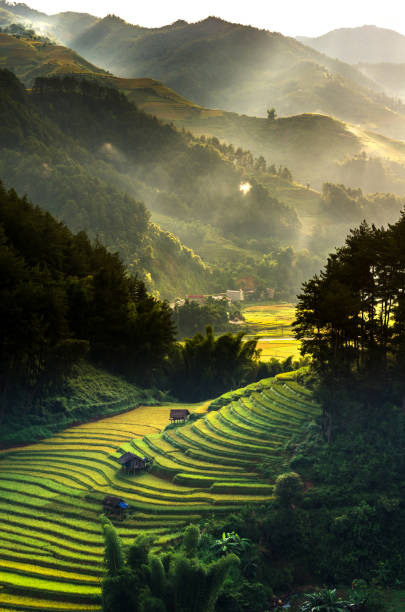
point(279, 349)
point(51, 493)
point(271, 323)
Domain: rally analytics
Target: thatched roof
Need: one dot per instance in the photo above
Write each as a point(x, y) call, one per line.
point(182, 413)
point(128, 457)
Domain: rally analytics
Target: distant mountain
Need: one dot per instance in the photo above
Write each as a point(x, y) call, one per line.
point(368, 44)
point(391, 77)
point(317, 148)
point(62, 26)
point(238, 68)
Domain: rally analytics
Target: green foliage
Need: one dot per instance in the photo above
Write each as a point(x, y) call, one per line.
point(172, 582)
point(113, 554)
point(230, 543)
point(326, 600)
point(289, 489)
point(205, 366)
point(191, 318)
point(197, 587)
point(191, 540)
point(138, 552)
point(120, 592)
point(64, 297)
point(351, 320)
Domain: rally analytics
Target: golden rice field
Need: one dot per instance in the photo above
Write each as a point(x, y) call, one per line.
point(51, 493)
point(271, 324)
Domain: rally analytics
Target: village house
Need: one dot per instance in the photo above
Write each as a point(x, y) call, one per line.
point(132, 463)
point(114, 505)
point(179, 415)
point(235, 295)
point(200, 299)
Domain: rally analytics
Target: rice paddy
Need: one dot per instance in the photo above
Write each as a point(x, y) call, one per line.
point(51, 493)
point(271, 324)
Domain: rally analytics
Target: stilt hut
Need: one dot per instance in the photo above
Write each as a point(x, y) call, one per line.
point(179, 415)
point(114, 505)
point(132, 463)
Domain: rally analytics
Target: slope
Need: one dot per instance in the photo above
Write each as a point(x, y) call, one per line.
point(85, 190)
point(30, 59)
point(254, 69)
point(61, 26)
point(315, 147)
point(388, 75)
point(52, 492)
point(368, 43)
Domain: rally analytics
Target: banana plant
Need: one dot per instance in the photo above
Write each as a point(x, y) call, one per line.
point(325, 600)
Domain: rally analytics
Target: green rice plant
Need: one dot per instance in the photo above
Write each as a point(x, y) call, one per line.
point(193, 480)
point(240, 488)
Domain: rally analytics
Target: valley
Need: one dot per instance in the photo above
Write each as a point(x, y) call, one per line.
point(202, 311)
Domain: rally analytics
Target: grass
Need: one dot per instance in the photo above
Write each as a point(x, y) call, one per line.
point(51, 492)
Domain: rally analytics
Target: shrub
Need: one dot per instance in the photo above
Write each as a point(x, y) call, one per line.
point(289, 489)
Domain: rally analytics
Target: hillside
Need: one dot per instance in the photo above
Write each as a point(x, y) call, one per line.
point(278, 71)
point(330, 146)
point(368, 43)
point(200, 467)
point(388, 75)
point(30, 59)
point(38, 158)
point(61, 26)
point(236, 247)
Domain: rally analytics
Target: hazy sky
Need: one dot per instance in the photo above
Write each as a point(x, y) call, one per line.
point(290, 17)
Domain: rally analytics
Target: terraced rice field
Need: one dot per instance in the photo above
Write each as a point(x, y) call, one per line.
point(51, 493)
point(266, 318)
point(271, 324)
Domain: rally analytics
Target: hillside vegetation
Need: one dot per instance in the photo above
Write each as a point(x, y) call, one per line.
point(278, 71)
point(317, 148)
point(112, 151)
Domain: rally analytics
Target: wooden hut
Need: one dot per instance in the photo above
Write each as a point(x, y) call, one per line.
point(114, 505)
point(132, 463)
point(179, 415)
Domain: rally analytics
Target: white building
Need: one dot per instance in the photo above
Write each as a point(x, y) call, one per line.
point(235, 295)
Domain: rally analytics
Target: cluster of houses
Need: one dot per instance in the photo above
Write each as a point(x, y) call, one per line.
point(231, 295)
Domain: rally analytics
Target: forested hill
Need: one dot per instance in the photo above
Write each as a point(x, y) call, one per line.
point(63, 299)
point(88, 155)
point(316, 148)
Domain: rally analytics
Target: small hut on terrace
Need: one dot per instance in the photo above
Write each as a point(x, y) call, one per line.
point(179, 415)
point(114, 505)
point(132, 463)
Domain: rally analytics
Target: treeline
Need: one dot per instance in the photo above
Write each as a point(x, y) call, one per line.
point(63, 298)
point(351, 319)
point(192, 317)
